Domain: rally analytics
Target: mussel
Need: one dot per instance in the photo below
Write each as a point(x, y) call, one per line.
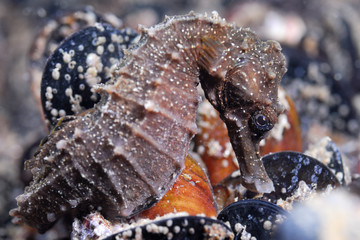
point(255, 217)
point(178, 228)
point(288, 169)
point(83, 60)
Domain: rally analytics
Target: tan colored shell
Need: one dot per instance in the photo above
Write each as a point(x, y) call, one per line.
point(124, 154)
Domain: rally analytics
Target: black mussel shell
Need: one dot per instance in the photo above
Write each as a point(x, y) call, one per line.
point(178, 228)
point(83, 60)
point(259, 217)
point(287, 169)
point(336, 164)
point(61, 26)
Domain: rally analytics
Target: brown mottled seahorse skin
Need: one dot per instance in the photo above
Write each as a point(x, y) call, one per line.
point(124, 154)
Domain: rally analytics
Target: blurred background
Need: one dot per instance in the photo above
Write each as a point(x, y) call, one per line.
point(320, 38)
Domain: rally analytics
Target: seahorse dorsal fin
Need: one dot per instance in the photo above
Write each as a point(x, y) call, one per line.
point(210, 53)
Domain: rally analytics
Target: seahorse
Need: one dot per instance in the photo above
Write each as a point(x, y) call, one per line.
point(122, 155)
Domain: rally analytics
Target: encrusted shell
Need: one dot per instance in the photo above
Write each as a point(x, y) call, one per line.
point(178, 228)
point(82, 61)
point(54, 32)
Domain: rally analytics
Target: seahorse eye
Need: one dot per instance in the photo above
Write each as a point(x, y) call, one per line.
point(260, 123)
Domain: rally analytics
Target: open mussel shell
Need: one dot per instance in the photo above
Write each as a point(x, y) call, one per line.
point(212, 143)
point(82, 60)
point(178, 228)
point(287, 169)
point(256, 217)
point(191, 193)
point(286, 134)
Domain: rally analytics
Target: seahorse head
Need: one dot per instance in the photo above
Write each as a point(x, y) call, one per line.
point(251, 87)
point(241, 80)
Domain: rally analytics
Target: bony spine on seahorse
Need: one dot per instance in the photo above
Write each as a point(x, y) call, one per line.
point(125, 153)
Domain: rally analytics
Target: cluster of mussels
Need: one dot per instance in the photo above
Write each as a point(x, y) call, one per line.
point(104, 85)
